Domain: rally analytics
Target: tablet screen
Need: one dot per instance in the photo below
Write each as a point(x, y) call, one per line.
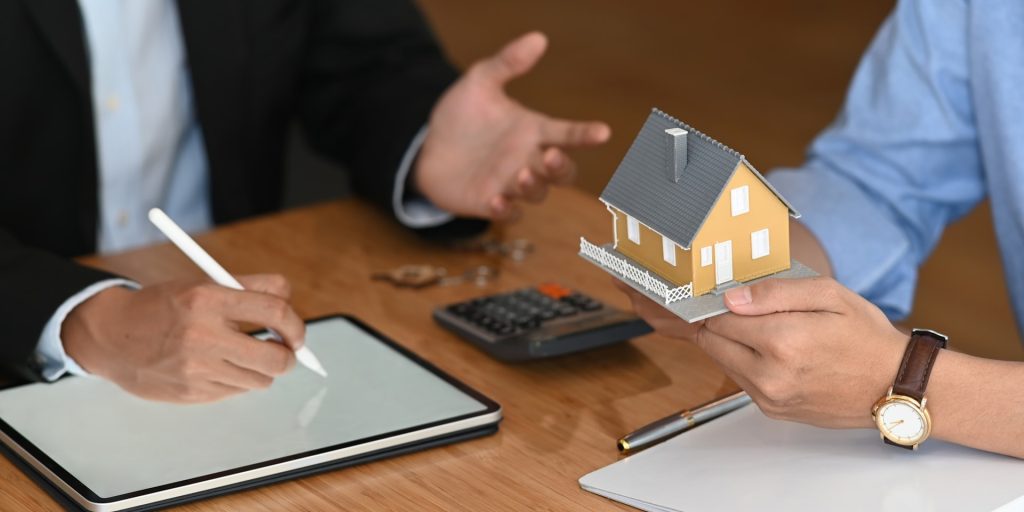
point(115, 443)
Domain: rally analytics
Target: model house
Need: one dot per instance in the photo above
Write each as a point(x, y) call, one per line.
point(692, 211)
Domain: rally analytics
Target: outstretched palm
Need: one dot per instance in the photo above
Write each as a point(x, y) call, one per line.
point(484, 150)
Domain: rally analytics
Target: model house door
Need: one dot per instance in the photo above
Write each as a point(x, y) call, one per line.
point(723, 262)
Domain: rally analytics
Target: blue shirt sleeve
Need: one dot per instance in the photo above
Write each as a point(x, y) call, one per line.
point(418, 212)
point(900, 162)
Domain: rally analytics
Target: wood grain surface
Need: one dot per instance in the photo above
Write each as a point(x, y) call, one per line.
point(562, 416)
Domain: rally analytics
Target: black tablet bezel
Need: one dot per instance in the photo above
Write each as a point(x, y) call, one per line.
point(491, 407)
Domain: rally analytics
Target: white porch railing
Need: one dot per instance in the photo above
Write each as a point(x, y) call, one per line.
point(635, 274)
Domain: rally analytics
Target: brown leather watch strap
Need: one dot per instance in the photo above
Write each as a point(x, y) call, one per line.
point(918, 360)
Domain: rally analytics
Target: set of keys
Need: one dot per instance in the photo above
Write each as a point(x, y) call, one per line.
point(422, 276)
point(516, 250)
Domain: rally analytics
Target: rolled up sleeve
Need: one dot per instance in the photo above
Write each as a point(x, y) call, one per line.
point(869, 253)
point(900, 162)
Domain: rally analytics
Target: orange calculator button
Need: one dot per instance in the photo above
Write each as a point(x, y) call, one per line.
point(554, 290)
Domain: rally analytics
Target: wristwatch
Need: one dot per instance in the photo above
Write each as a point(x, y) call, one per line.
point(900, 415)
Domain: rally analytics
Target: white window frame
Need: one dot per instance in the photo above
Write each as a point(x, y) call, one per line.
point(633, 229)
point(668, 250)
point(760, 244)
point(705, 256)
point(740, 200)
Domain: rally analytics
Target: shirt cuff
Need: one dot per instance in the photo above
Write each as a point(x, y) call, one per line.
point(416, 212)
point(54, 362)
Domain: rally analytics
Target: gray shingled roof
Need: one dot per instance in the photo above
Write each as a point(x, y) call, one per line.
point(643, 189)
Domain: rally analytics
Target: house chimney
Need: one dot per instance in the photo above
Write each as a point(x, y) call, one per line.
point(675, 154)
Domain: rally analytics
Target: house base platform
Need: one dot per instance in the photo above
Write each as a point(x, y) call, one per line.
point(695, 308)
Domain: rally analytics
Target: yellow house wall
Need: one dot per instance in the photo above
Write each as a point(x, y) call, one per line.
point(766, 211)
point(649, 252)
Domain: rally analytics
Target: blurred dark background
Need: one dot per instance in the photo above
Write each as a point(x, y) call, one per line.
point(762, 77)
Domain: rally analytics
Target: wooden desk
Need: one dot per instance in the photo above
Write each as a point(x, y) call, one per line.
point(562, 416)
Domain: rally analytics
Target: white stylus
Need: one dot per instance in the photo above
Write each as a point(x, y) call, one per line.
point(220, 276)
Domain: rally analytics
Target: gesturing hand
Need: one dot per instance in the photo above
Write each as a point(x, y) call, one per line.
point(484, 150)
point(182, 341)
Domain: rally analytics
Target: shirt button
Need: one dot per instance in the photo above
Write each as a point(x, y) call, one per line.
point(112, 103)
point(122, 218)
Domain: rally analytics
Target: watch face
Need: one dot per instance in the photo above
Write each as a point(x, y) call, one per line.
point(902, 422)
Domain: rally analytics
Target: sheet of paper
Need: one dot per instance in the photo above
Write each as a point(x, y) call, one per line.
point(745, 461)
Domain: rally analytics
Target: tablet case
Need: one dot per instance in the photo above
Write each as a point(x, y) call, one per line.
point(69, 504)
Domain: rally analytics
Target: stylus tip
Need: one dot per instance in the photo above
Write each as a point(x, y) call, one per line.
point(306, 357)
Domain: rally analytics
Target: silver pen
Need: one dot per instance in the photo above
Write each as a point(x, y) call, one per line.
point(681, 422)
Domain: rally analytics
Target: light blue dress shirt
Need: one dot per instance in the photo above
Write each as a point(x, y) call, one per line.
point(933, 123)
point(150, 146)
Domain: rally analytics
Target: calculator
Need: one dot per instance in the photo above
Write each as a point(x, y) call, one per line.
point(538, 322)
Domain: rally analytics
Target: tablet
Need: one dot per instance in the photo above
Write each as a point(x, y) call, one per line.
point(107, 450)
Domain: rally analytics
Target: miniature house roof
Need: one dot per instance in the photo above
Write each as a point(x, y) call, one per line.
point(672, 176)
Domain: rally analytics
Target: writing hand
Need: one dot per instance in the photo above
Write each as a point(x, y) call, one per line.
point(182, 341)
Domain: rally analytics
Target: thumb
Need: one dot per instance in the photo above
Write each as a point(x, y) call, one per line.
point(516, 58)
point(273, 284)
point(786, 295)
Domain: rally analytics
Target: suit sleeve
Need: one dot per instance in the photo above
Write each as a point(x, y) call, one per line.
point(371, 76)
point(35, 284)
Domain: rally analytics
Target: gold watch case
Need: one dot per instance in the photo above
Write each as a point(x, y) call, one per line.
point(918, 407)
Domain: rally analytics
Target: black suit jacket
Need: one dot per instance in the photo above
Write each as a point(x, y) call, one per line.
point(360, 77)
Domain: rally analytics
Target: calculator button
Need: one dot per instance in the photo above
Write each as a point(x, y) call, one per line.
point(553, 290)
point(528, 323)
point(566, 310)
point(514, 325)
